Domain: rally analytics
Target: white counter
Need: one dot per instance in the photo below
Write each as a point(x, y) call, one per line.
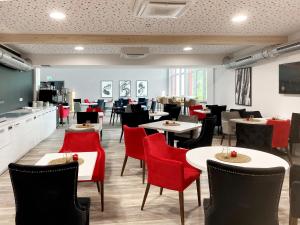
point(19, 135)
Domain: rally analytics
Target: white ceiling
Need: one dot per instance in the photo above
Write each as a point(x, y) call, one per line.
point(116, 49)
point(266, 17)
point(202, 17)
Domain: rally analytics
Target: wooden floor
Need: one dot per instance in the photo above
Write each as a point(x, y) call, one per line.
point(123, 195)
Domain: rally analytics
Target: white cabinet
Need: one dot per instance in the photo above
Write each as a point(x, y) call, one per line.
point(21, 135)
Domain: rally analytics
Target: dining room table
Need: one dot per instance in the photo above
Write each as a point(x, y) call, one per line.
point(261, 121)
point(204, 111)
point(157, 114)
point(171, 127)
point(87, 161)
point(198, 157)
point(78, 127)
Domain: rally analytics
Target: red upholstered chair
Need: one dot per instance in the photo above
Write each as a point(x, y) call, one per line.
point(96, 109)
point(63, 113)
point(168, 168)
point(281, 132)
point(88, 142)
point(134, 148)
point(86, 101)
point(192, 109)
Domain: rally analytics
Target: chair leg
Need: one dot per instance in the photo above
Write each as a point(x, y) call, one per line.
point(68, 119)
point(198, 191)
point(144, 170)
point(124, 164)
point(145, 196)
point(141, 164)
point(229, 140)
point(161, 191)
point(74, 115)
point(102, 196)
point(98, 186)
point(111, 115)
point(223, 136)
point(293, 220)
point(121, 135)
point(181, 205)
point(114, 119)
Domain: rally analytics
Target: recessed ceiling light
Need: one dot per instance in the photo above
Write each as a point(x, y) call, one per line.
point(239, 18)
point(79, 48)
point(187, 49)
point(57, 15)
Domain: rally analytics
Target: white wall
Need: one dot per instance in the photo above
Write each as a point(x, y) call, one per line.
point(86, 81)
point(265, 88)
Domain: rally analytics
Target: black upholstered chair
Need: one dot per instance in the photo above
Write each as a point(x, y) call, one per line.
point(173, 111)
point(294, 134)
point(167, 107)
point(255, 114)
point(117, 109)
point(77, 100)
point(205, 138)
point(153, 106)
point(135, 108)
point(216, 110)
point(101, 104)
point(241, 111)
point(254, 136)
point(294, 194)
point(83, 117)
point(48, 195)
point(242, 196)
point(210, 106)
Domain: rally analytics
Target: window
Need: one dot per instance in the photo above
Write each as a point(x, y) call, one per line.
point(188, 82)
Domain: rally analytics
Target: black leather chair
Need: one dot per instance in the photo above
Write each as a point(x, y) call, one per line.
point(48, 195)
point(294, 194)
point(153, 106)
point(205, 138)
point(241, 111)
point(143, 101)
point(294, 135)
point(254, 136)
point(135, 108)
point(242, 196)
point(101, 104)
point(77, 100)
point(255, 114)
point(117, 109)
point(216, 110)
point(83, 117)
point(167, 107)
point(174, 113)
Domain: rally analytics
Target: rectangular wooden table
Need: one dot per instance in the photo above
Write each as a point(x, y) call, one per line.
point(86, 169)
point(170, 130)
point(96, 126)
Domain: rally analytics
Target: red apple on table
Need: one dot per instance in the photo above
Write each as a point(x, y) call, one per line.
point(75, 157)
point(233, 154)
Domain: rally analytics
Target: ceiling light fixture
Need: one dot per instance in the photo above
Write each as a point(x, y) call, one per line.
point(187, 49)
point(79, 48)
point(57, 15)
point(239, 18)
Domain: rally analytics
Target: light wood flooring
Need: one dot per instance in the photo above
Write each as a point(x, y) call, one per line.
point(123, 195)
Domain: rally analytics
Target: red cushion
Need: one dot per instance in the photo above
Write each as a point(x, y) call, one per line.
point(281, 132)
point(192, 109)
point(86, 142)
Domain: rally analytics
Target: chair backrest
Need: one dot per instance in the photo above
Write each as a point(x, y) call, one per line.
point(81, 142)
point(194, 107)
point(86, 101)
point(294, 188)
point(210, 106)
point(77, 100)
point(124, 102)
point(295, 128)
point(83, 117)
point(134, 119)
point(175, 112)
point(207, 132)
point(141, 100)
point(47, 194)
point(255, 114)
point(94, 109)
point(189, 119)
point(155, 145)
point(133, 138)
point(216, 111)
point(100, 103)
point(227, 126)
point(254, 136)
point(153, 106)
point(63, 112)
point(77, 107)
point(281, 132)
point(241, 111)
point(167, 107)
point(243, 195)
point(135, 108)
point(230, 115)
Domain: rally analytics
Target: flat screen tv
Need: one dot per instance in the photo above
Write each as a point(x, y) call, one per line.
point(289, 78)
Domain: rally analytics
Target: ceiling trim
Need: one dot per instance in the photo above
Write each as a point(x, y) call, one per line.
point(8, 38)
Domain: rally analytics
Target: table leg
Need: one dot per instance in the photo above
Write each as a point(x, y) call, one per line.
point(170, 136)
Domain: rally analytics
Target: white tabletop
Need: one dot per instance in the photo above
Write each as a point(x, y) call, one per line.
point(197, 157)
point(101, 114)
point(96, 126)
point(183, 127)
point(261, 121)
point(202, 111)
point(158, 113)
point(86, 169)
point(88, 103)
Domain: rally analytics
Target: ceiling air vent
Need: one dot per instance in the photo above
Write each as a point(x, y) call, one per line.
point(159, 8)
point(134, 52)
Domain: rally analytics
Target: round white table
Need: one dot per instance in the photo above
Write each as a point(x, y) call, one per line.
point(197, 158)
point(158, 114)
point(260, 121)
point(89, 104)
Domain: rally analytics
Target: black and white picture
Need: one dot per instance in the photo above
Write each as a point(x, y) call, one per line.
point(106, 89)
point(243, 95)
point(125, 88)
point(141, 88)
